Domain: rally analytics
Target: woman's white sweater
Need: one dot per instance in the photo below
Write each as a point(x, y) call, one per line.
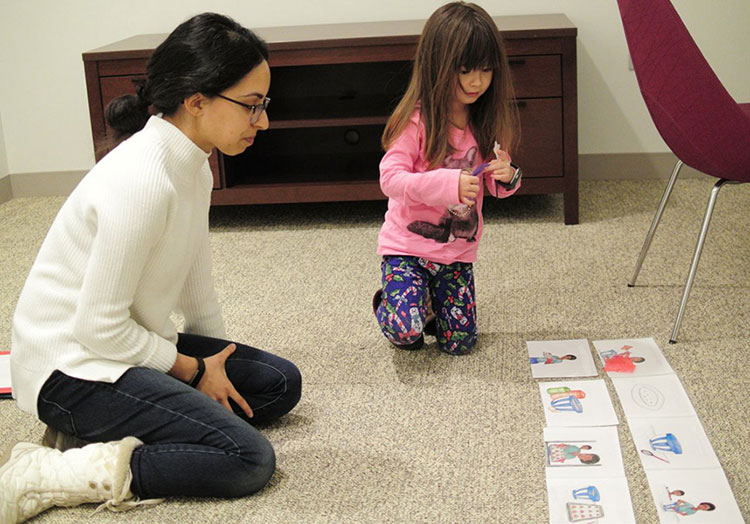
point(129, 247)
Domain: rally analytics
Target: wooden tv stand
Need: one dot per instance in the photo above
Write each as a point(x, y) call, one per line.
point(333, 88)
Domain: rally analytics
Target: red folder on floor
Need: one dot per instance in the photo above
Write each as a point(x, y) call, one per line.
point(5, 374)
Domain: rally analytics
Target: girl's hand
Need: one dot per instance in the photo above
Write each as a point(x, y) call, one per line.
point(468, 188)
point(216, 384)
point(500, 168)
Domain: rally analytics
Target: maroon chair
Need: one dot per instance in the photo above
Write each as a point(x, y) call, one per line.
point(697, 118)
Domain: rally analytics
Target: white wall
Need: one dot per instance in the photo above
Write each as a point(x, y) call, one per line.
point(3, 155)
point(43, 94)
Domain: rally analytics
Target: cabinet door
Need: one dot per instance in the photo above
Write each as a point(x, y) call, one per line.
point(540, 152)
point(536, 76)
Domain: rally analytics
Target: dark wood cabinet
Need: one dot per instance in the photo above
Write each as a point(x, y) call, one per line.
point(333, 88)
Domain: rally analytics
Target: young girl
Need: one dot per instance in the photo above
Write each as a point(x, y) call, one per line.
point(440, 146)
point(94, 353)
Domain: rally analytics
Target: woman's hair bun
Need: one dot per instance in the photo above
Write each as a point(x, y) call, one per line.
point(126, 114)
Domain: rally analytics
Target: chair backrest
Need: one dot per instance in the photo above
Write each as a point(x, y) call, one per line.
point(695, 115)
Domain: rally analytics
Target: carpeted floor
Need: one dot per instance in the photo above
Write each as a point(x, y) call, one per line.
point(387, 436)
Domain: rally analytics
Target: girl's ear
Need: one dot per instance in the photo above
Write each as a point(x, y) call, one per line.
point(194, 104)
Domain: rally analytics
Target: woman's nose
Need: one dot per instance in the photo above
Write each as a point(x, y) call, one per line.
point(263, 122)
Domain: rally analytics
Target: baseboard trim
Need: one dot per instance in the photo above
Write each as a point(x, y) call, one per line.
point(607, 166)
point(630, 166)
point(54, 183)
point(6, 189)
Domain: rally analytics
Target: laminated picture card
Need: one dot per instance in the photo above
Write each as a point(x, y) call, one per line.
point(561, 358)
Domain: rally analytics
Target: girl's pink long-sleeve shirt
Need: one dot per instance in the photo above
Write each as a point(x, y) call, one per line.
point(418, 221)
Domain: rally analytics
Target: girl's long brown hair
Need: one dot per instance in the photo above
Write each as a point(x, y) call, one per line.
point(457, 36)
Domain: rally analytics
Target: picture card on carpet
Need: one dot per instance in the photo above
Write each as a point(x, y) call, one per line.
point(604, 501)
point(632, 357)
point(583, 453)
point(693, 496)
point(577, 403)
point(653, 397)
point(561, 358)
point(672, 443)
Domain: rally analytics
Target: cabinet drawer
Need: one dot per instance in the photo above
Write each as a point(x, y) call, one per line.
point(536, 76)
point(540, 150)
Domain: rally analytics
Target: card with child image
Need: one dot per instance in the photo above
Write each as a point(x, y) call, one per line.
point(687, 496)
point(591, 452)
point(632, 357)
point(561, 358)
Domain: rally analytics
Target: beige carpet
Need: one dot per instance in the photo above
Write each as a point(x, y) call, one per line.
point(386, 436)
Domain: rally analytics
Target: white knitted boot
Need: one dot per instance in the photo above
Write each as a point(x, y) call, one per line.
point(36, 478)
point(62, 441)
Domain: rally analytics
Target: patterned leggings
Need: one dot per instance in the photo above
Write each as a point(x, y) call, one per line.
point(403, 308)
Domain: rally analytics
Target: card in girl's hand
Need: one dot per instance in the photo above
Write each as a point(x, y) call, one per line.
point(499, 153)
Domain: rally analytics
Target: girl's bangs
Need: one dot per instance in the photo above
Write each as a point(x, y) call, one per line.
point(481, 50)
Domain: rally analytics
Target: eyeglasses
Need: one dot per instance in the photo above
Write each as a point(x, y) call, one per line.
point(255, 110)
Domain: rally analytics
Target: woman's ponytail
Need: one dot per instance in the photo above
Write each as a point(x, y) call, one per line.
point(128, 114)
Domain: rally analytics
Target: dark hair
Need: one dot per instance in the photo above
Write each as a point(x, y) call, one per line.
point(593, 460)
point(711, 507)
point(458, 36)
point(206, 54)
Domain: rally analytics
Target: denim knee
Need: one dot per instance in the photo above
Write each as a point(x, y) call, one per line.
point(293, 386)
point(260, 463)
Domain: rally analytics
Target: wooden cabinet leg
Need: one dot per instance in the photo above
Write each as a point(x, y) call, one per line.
point(570, 206)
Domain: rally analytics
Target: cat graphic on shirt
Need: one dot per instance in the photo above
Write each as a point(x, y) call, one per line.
point(459, 221)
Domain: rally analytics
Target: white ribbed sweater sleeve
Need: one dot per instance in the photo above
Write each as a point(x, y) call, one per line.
point(198, 302)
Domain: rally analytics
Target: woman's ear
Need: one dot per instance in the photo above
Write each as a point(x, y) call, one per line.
point(195, 104)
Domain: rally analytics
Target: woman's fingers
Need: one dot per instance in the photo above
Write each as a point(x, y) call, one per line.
point(229, 391)
point(242, 403)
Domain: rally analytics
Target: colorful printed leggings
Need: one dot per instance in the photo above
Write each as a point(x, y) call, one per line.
point(403, 308)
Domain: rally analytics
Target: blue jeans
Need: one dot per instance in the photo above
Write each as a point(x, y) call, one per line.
point(193, 446)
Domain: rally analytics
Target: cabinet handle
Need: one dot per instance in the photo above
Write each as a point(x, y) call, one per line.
point(351, 137)
point(516, 61)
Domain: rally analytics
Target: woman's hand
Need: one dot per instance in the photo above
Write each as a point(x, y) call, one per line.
point(468, 188)
point(217, 385)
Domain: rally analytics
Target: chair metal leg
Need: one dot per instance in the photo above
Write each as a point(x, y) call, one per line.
point(655, 222)
point(697, 256)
